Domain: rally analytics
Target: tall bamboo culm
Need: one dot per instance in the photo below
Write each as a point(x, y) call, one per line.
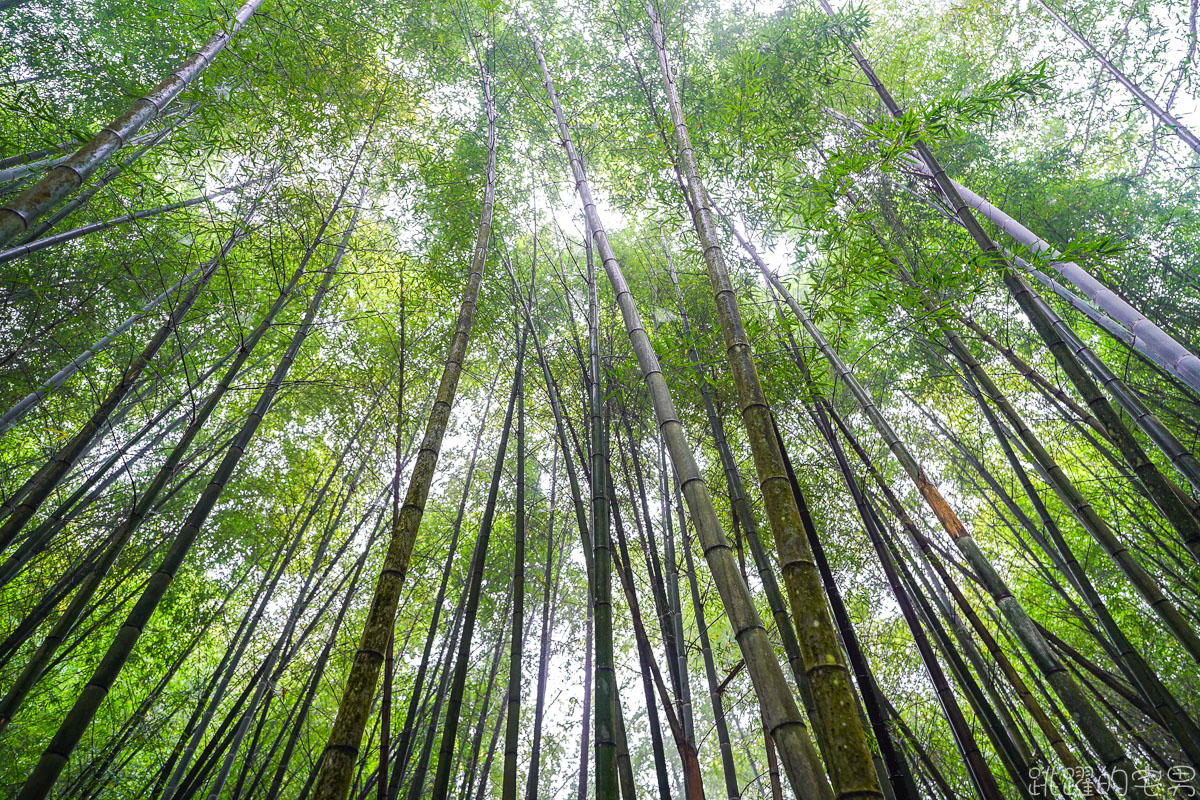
point(31, 204)
point(839, 729)
point(1085, 715)
point(341, 752)
point(784, 721)
point(77, 721)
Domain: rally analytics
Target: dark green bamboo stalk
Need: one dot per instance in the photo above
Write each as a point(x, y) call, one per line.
point(1101, 738)
point(40, 485)
point(54, 759)
point(841, 736)
point(728, 765)
point(550, 588)
point(897, 772)
point(508, 787)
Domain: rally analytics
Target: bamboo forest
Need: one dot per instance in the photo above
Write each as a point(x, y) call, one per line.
point(599, 399)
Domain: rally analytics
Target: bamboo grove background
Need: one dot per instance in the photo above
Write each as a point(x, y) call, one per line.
point(581, 399)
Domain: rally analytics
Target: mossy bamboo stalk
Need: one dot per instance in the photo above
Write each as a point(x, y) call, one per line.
point(839, 731)
point(1100, 737)
point(341, 751)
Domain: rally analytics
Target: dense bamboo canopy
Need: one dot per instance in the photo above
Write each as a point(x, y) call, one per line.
point(567, 400)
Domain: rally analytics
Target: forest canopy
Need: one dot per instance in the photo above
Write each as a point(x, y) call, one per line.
point(496, 399)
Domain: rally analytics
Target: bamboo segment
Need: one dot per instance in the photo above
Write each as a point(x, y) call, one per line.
point(38, 487)
point(84, 230)
point(1155, 343)
point(54, 759)
point(508, 788)
point(1162, 115)
point(840, 732)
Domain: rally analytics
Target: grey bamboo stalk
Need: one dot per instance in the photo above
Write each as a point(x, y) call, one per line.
point(1150, 341)
point(1099, 736)
point(1068, 351)
point(839, 732)
point(1161, 114)
point(31, 204)
point(54, 759)
point(29, 169)
point(341, 751)
point(728, 765)
point(775, 698)
point(1144, 335)
point(83, 230)
point(35, 156)
point(1148, 338)
point(111, 174)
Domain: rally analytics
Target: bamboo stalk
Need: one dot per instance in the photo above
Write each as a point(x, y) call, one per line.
point(784, 720)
